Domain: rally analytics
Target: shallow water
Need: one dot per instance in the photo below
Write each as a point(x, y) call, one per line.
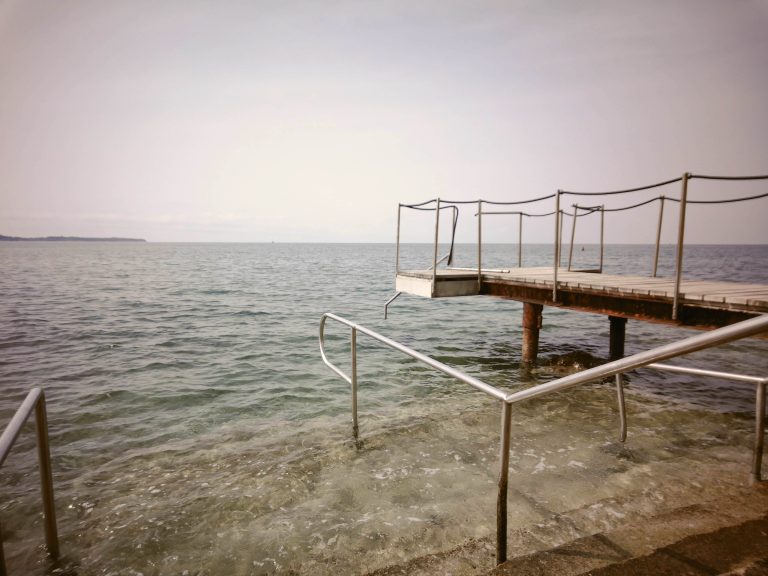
point(194, 427)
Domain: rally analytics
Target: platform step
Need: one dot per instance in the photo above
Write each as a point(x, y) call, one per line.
point(726, 534)
point(739, 549)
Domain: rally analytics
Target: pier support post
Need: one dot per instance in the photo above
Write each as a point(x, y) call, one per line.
point(617, 334)
point(531, 327)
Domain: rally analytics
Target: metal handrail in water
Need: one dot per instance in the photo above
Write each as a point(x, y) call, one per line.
point(352, 379)
point(649, 358)
point(35, 400)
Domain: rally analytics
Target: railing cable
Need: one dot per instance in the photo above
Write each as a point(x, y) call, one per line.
point(705, 177)
point(626, 191)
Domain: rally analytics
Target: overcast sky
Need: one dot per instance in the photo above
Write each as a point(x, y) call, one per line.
point(310, 121)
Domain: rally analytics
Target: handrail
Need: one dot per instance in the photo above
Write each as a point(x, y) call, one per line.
point(649, 358)
point(388, 302)
point(757, 452)
point(455, 220)
point(471, 380)
point(35, 400)
point(441, 260)
point(743, 329)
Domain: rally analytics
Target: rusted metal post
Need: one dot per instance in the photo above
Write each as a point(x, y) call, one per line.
point(680, 242)
point(573, 234)
point(658, 237)
point(757, 459)
point(617, 335)
point(501, 501)
point(531, 327)
point(3, 570)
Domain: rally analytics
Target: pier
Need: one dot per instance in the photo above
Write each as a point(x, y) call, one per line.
point(703, 304)
point(679, 301)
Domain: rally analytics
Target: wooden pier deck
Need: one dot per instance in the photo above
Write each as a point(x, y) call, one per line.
point(703, 304)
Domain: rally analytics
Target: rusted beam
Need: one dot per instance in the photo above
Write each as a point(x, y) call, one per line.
point(531, 327)
point(616, 338)
point(645, 308)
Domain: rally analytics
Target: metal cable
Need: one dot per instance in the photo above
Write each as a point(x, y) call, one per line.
point(515, 213)
point(493, 202)
point(622, 191)
point(702, 176)
point(420, 207)
point(539, 199)
point(416, 206)
point(591, 209)
point(727, 201)
point(636, 205)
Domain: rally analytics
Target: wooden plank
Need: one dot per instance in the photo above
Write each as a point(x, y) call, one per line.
point(706, 293)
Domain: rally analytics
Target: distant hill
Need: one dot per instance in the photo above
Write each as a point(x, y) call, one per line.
point(67, 239)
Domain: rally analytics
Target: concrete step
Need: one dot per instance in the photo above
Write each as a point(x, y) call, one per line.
point(725, 532)
point(738, 549)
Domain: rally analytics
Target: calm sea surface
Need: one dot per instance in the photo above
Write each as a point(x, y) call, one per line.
point(195, 430)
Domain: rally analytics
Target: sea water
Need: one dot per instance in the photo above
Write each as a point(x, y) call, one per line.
point(195, 430)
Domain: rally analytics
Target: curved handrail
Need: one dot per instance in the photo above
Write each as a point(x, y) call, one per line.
point(35, 400)
point(471, 380)
point(649, 358)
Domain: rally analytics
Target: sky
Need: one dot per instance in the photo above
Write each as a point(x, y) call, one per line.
point(309, 121)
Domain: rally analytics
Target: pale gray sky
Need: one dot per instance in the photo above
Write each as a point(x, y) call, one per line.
point(309, 121)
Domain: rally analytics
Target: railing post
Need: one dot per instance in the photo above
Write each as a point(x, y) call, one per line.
point(397, 242)
point(434, 258)
point(46, 477)
point(680, 241)
point(479, 244)
point(573, 234)
point(757, 457)
point(353, 378)
point(520, 242)
point(561, 215)
point(3, 569)
point(558, 233)
point(501, 502)
point(622, 408)
point(602, 235)
point(658, 237)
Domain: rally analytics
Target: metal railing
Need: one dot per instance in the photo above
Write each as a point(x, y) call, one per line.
point(680, 243)
point(578, 212)
point(650, 358)
point(35, 400)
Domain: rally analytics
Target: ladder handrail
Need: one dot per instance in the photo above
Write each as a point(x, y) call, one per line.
point(35, 400)
point(471, 380)
point(649, 359)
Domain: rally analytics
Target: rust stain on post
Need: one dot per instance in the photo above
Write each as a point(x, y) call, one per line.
point(531, 327)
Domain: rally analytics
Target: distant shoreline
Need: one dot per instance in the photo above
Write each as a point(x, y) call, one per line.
point(67, 239)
